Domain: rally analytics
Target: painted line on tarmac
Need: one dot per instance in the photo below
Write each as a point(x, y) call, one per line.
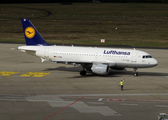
point(22, 74)
point(100, 99)
point(63, 108)
point(96, 96)
point(12, 75)
point(11, 99)
point(94, 103)
point(108, 95)
point(130, 104)
point(115, 99)
point(161, 105)
point(35, 74)
point(7, 73)
point(157, 96)
point(39, 83)
point(93, 96)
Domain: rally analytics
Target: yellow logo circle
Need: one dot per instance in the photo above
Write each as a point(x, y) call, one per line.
point(29, 32)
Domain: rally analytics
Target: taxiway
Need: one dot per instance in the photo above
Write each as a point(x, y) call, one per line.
point(33, 90)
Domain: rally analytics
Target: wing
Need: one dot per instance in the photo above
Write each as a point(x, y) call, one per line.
point(110, 63)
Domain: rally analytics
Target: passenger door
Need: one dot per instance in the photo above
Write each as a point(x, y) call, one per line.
point(133, 56)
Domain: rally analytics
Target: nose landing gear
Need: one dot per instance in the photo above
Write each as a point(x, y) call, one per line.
point(135, 74)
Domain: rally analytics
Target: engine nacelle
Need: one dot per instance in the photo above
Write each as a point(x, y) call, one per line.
point(101, 69)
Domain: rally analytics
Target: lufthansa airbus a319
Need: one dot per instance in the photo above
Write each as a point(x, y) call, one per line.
point(96, 60)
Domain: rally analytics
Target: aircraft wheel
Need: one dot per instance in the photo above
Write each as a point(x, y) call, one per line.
point(83, 72)
point(135, 74)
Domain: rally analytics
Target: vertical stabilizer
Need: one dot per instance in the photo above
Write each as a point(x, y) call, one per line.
point(32, 36)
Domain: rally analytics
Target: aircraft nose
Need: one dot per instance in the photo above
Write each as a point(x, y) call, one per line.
point(154, 62)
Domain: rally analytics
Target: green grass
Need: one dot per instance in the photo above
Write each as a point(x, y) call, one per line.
point(139, 25)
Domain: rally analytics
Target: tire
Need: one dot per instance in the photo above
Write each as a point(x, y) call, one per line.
point(135, 74)
point(83, 73)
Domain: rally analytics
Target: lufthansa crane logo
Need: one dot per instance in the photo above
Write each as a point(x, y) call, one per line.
point(29, 32)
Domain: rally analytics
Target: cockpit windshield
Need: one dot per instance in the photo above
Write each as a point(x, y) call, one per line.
point(146, 56)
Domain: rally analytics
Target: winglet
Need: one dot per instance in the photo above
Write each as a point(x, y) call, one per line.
point(32, 36)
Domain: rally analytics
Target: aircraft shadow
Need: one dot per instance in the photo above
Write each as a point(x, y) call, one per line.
point(78, 69)
point(112, 73)
point(139, 73)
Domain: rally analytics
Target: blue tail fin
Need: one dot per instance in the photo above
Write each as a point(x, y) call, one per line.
point(32, 36)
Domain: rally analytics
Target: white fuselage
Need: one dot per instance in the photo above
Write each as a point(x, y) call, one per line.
point(125, 58)
point(96, 60)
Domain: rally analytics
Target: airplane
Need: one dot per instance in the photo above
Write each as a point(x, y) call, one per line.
point(92, 59)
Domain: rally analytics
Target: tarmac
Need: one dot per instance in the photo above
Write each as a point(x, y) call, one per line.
point(31, 90)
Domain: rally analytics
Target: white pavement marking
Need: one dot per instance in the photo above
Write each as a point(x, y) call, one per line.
point(115, 100)
point(104, 110)
point(12, 48)
point(39, 83)
point(161, 105)
point(130, 104)
point(80, 106)
point(98, 95)
point(13, 99)
point(100, 99)
point(94, 103)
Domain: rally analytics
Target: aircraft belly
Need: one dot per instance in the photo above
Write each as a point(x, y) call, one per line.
point(122, 65)
point(126, 65)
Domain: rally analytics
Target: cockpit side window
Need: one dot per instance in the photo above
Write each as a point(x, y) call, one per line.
point(146, 56)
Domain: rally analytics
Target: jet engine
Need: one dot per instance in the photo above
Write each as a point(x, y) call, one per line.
point(101, 69)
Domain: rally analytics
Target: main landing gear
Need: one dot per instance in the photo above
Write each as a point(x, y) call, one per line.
point(83, 72)
point(135, 74)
